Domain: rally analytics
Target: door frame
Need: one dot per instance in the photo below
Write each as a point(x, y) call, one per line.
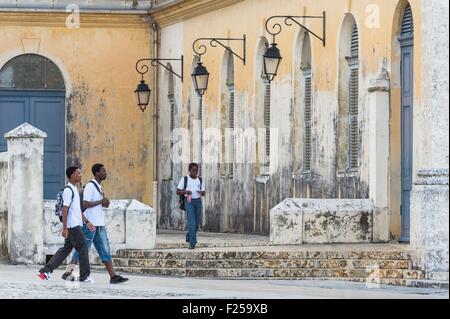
point(44, 93)
point(406, 43)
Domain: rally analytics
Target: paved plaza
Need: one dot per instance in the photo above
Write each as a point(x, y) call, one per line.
point(22, 282)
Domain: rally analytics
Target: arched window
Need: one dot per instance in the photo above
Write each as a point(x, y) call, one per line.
point(32, 90)
point(31, 72)
point(228, 102)
point(172, 107)
point(195, 123)
point(262, 110)
point(353, 84)
point(348, 128)
point(167, 124)
point(307, 102)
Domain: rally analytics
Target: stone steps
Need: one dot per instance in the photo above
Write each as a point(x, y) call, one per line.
point(260, 254)
point(372, 264)
point(181, 245)
point(263, 263)
point(368, 275)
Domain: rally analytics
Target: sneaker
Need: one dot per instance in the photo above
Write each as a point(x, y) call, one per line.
point(44, 275)
point(87, 280)
point(67, 276)
point(117, 279)
point(191, 247)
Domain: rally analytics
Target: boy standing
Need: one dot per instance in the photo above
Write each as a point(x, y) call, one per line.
point(193, 189)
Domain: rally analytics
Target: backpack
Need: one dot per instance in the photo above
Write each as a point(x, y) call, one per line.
point(181, 198)
point(60, 202)
point(83, 209)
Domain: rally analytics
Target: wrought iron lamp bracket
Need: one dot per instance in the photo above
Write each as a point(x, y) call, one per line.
point(213, 42)
point(143, 68)
point(276, 28)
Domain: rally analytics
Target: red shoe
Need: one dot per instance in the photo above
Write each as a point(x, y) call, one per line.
point(44, 275)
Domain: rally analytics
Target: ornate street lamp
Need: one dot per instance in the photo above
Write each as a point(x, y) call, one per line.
point(200, 77)
point(142, 95)
point(143, 91)
point(272, 60)
point(272, 57)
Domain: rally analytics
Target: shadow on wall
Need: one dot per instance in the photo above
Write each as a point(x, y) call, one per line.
point(3, 206)
point(3, 235)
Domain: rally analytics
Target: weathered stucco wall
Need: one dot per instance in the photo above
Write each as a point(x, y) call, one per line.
point(97, 61)
point(3, 204)
point(242, 204)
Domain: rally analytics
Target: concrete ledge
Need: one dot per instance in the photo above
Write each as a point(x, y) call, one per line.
point(130, 225)
point(322, 221)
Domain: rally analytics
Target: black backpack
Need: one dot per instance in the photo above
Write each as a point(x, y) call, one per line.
point(181, 198)
point(60, 202)
point(83, 209)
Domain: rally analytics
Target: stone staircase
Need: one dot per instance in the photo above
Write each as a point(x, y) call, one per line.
point(370, 263)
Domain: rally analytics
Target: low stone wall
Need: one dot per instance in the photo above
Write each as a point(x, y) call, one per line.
point(321, 221)
point(3, 204)
point(130, 225)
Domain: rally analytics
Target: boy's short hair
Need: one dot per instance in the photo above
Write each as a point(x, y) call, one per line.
point(192, 165)
point(96, 168)
point(70, 170)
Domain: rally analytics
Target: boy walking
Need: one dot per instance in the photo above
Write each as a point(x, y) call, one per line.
point(193, 189)
point(94, 201)
point(72, 219)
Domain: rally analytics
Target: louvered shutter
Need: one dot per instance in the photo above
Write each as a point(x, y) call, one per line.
point(353, 113)
point(307, 121)
point(267, 119)
point(407, 23)
point(172, 127)
point(353, 133)
point(231, 126)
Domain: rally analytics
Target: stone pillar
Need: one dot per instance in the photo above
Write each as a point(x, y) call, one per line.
point(26, 190)
point(429, 196)
point(429, 219)
point(379, 154)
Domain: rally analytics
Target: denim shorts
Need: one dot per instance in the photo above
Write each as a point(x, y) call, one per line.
point(99, 238)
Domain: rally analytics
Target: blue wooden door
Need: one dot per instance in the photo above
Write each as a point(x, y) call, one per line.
point(46, 111)
point(406, 135)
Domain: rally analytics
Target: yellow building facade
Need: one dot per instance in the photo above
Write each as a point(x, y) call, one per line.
point(354, 150)
point(95, 53)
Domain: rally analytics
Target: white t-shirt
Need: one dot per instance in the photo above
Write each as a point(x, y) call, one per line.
point(193, 185)
point(94, 214)
point(74, 218)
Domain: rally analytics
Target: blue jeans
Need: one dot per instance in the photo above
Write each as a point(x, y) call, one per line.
point(194, 217)
point(100, 240)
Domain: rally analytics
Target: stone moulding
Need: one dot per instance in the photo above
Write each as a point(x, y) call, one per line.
point(432, 176)
point(171, 12)
point(89, 20)
point(25, 131)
